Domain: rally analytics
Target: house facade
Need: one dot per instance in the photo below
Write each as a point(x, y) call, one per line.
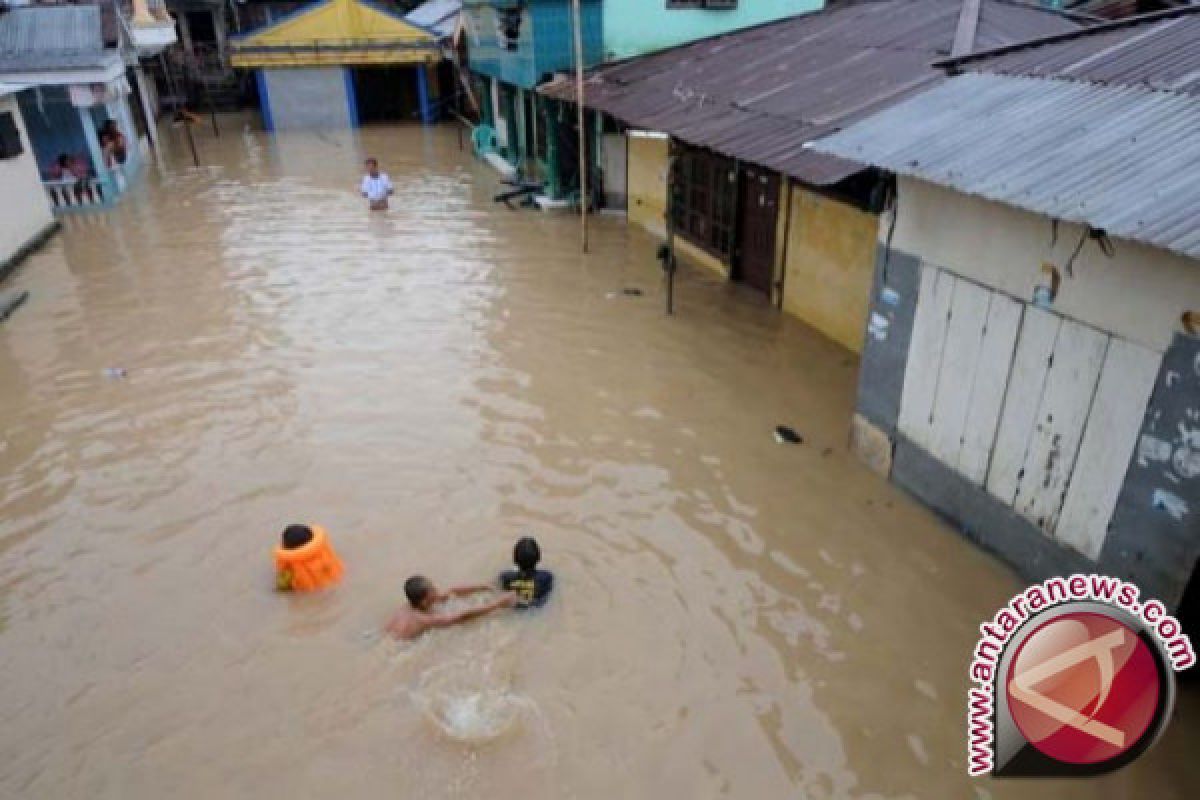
point(1032, 358)
point(74, 85)
point(714, 135)
point(514, 46)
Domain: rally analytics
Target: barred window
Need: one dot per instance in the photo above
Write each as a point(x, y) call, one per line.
point(703, 199)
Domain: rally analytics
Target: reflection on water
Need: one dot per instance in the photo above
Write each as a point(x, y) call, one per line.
point(734, 617)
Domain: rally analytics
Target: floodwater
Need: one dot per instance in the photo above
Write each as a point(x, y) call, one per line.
point(734, 617)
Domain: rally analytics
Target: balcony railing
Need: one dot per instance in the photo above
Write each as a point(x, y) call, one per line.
point(72, 194)
point(150, 27)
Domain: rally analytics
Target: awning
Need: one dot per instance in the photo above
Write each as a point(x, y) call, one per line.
point(336, 32)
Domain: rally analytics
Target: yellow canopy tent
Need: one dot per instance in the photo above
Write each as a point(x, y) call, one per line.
point(337, 32)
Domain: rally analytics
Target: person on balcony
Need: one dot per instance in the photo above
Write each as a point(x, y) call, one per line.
point(73, 170)
point(112, 143)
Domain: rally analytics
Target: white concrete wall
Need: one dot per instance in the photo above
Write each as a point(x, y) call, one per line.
point(24, 207)
point(1139, 294)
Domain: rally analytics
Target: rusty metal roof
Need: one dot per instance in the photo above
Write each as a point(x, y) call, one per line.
point(759, 94)
point(1157, 51)
point(1118, 158)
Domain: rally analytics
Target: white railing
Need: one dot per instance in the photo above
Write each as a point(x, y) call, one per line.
point(72, 194)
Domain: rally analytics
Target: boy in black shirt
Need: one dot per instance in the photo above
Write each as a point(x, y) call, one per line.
point(531, 584)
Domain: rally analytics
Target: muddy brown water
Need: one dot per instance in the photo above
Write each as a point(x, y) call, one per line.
point(734, 617)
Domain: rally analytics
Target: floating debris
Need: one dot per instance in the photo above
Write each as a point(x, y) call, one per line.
point(785, 435)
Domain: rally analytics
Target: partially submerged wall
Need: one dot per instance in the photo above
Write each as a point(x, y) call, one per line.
point(830, 263)
point(1035, 428)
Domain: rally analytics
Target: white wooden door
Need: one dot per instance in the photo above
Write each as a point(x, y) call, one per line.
point(987, 390)
point(1058, 427)
point(1035, 343)
point(960, 360)
point(1122, 394)
point(1040, 410)
point(931, 318)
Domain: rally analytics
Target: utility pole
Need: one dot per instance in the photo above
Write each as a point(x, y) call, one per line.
point(583, 181)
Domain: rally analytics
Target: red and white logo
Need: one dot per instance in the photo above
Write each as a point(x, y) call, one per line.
point(1073, 677)
point(1083, 688)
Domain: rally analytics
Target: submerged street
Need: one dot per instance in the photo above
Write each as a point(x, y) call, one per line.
point(733, 616)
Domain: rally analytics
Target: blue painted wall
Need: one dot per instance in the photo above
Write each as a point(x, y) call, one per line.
point(633, 27)
point(53, 125)
point(544, 43)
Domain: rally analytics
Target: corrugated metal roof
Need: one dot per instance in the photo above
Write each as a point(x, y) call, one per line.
point(51, 37)
point(1122, 159)
point(1160, 51)
point(439, 16)
point(759, 94)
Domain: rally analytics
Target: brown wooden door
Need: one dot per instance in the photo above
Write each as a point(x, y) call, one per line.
point(758, 209)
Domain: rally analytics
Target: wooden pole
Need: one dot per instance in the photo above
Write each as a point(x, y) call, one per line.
point(577, 19)
point(187, 126)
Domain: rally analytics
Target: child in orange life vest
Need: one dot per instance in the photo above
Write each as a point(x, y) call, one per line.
point(531, 584)
point(305, 560)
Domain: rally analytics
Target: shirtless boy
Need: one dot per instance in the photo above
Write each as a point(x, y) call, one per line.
point(420, 616)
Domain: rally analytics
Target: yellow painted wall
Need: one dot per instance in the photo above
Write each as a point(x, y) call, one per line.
point(830, 264)
point(647, 186)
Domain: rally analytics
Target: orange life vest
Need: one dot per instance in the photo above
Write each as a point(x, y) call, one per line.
point(311, 566)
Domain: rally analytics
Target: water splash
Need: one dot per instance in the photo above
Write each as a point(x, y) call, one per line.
point(471, 700)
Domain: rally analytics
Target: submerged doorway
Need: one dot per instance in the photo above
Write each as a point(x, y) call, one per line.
point(759, 207)
point(386, 94)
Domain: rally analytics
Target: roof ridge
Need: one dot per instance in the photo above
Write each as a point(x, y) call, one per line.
point(953, 64)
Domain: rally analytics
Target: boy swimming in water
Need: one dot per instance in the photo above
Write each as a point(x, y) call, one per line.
point(419, 616)
point(531, 584)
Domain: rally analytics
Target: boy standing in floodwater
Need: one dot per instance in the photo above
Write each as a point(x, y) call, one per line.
point(376, 186)
point(420, 616)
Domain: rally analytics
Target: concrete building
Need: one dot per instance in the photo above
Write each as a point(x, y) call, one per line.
point(735, 112)
point(1032, 358)
point(339, 63)
point(27, 219)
